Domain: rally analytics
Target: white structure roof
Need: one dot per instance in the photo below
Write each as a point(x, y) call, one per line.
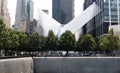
point(48, 23)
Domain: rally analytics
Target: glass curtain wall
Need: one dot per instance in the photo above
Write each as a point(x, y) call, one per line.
point(109, 15)
point(113, 15)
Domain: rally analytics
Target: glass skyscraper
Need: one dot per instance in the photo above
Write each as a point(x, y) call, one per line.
point(24, 12)
point(30, 9)
point(109, 15)
point(63, 10)
point(4, 14)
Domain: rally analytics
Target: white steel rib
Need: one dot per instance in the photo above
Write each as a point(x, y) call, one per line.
point(48, 23)
point(82, 19)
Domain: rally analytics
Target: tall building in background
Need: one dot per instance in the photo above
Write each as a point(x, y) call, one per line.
point(63, 10)
point(21, 15)
point(24, 14)
point(30, 9)
point(31, 26)
point(94, 26)
point(109, 15)
point(0, 7)
point(4, 14)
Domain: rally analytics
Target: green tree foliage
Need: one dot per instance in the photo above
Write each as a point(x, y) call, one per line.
point(110, 42)
point(78, 45)
point(42, 43)
point(14, 38)
point(86, 43)
point(2, 34)
point(2, 27)
point(51, 41)
point(67, 42)
point(23, 41)
point(10, 40)
point(97, 49)
point(36, 42)
point(6, 40)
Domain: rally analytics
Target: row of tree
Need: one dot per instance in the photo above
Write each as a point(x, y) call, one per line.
point(20, 41)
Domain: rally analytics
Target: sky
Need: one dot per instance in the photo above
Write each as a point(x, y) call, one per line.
point(42, 4)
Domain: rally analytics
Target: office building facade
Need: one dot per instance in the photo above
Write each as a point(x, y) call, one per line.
point(30, 9)
point(109, 15)
point(31, 26)
point(4, 14)
point(24, 14)
point(0, 7)
point(63, 10)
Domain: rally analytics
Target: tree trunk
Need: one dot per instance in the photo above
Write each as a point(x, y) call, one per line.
point(98, 52)
point(66, 53)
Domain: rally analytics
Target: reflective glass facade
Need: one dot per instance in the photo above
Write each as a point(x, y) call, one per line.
point(63, 10)
point(109, 15)
point(113, 9)
point(30, 9)
point(94, 26)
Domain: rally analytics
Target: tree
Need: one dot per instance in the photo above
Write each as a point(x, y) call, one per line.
point(67, 42)
point(51, 41)
point(14, 37)
point(23, 41)
point(78, 45)
point(10, 40)
point(2, 33)
point(42, 43)
point(4, 37)
point(86, 43)
point(110, 42)
point(97, 49)
point(2, 27)
point(36, 42)
point(6, 40)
